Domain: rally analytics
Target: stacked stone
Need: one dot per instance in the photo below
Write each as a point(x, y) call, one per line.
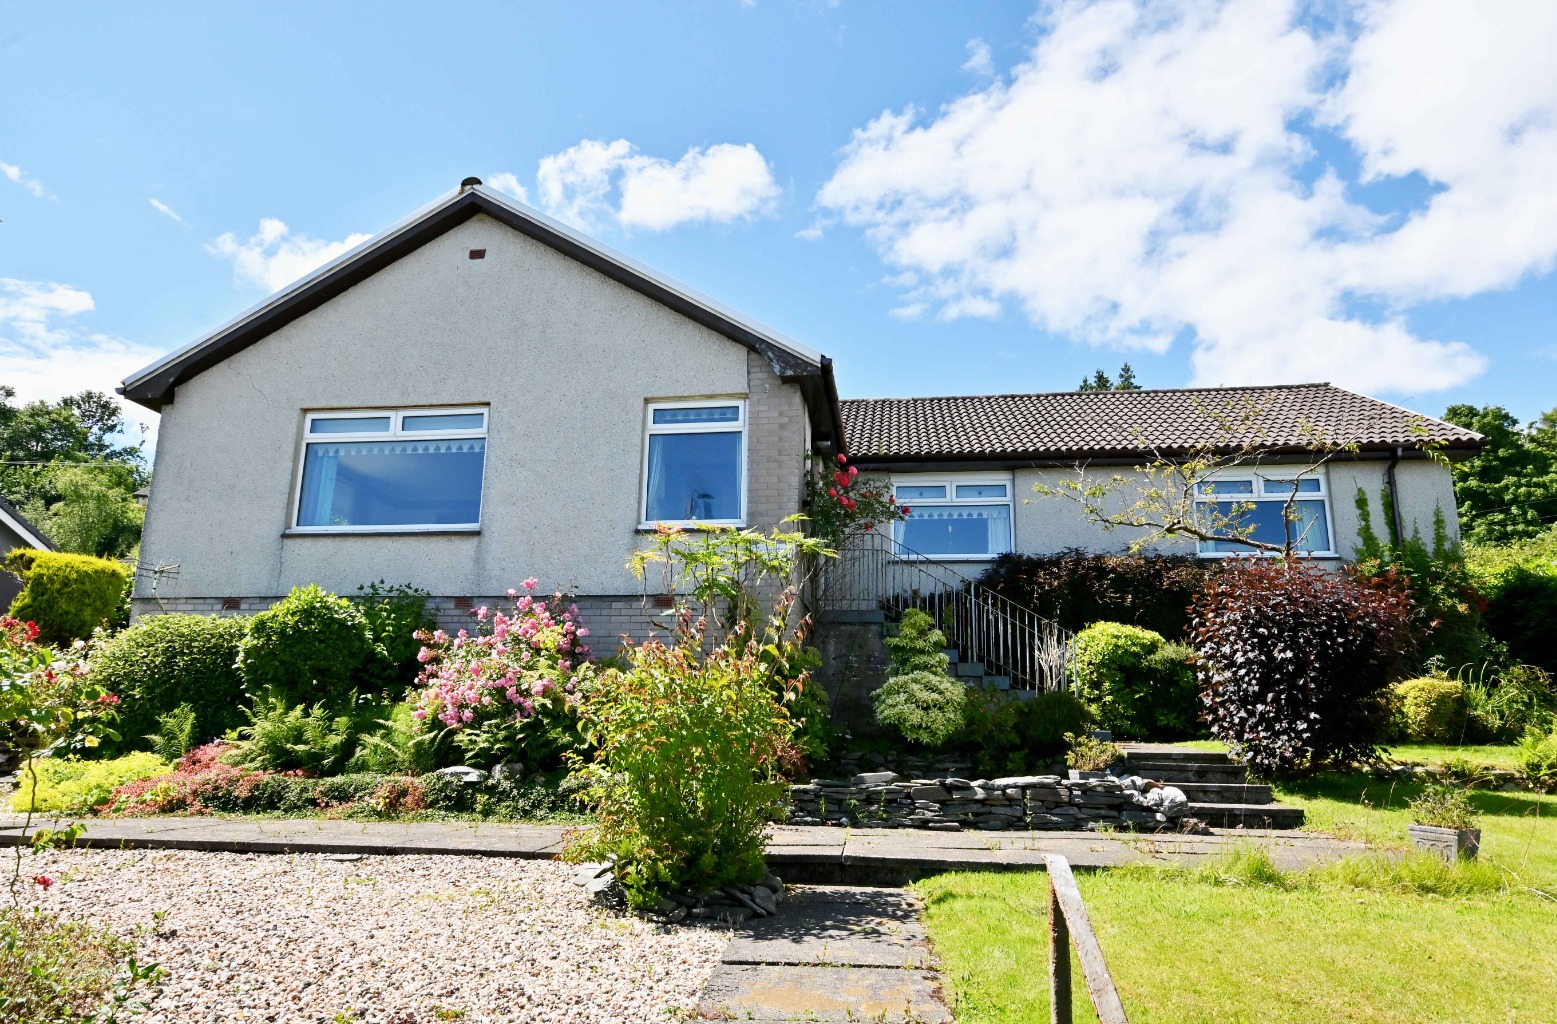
point(1043, 802)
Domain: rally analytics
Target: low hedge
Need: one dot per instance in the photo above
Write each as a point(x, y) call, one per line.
point(1430, 709)
point(1021, 735)
point(1135, 683)
point(309, 646)
point(1076, 588)
point(67, 596)
point(166, 660)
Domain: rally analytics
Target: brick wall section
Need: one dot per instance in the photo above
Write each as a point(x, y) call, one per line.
point(775, 445)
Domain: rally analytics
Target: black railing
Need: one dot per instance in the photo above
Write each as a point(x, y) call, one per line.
point(874, 572)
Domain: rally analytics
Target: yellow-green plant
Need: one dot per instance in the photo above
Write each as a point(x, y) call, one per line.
point(1430, 709)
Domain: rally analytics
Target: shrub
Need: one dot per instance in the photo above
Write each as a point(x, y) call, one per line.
point(1430, 709)
point(164, 661)
point(689, 768)
point(927, 708)
point(1537, 757)
point(66, 972)
point(395, 614)
point(402, 744)
point(917, 646)
point(1135, 683)
point(1011, 735)
point(309, 646)
point(1522, 611)
point(67, 596)
point(284, 737)
point(74, 786)
point(1443, 806)
point(1294, 660)
point(1076, 588)
point(509, 694)
point(1090, 754)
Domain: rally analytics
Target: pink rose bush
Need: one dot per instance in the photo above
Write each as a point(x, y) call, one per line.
point(508, 692)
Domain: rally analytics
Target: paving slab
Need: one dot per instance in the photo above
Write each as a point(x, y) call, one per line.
point(836, 927)
point(832, 995)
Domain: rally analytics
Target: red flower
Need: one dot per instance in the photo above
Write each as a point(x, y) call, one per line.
point(842, 459)
point(907, 511)
point(43, 880)
point(108, 698)
point(869, 527)
point(832, 492)
point(853, 472)
point(841, 478)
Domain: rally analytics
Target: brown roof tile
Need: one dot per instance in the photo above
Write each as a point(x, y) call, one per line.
point(1099, 424)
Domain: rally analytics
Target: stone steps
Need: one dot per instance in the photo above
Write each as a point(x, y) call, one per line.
point(1226, 792)
point(1247, 815)
point(1176, 772)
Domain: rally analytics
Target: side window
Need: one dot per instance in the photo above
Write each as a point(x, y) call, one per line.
point(695, 462)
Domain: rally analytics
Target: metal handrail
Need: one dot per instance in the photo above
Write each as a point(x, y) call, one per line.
point(875, 572)
point(1069, 925)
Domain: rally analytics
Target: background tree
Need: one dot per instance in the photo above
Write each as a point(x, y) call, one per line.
point(66, 466)
point(1101, 381)
point(1509, 491)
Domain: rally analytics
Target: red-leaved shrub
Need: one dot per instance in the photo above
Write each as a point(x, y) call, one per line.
point(1293, 662)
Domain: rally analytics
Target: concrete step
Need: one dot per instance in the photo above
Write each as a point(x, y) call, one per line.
point(1247, 815)
point(859, 615)
point(1226, 793)
point(1159, 753)
point(953, 655)
point(968, 669)
point(1183, 771)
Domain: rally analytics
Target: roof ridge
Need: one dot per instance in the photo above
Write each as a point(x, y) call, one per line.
point(1131, 391)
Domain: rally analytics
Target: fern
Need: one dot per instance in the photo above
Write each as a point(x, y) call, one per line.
point(283, 738)
point(175, 735)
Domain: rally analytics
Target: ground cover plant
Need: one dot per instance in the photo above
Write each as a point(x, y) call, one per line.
point(70, 785)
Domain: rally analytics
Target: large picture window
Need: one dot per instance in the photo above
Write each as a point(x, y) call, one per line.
point(695, 463)
point(955, 517)
point(395, 469)
point(1256, 501)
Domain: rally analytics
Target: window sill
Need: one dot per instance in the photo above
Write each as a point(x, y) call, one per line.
point(690, 527)
point(1318, 556)
point(390, 531)
point(950, 558)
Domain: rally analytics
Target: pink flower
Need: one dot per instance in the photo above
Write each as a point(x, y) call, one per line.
point(842, 459)
point(481, 613)
point(853, 472)
point(531, 583)
point(43, 880)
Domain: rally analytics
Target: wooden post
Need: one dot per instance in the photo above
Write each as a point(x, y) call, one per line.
point(1065, 902)
point(1059, 960)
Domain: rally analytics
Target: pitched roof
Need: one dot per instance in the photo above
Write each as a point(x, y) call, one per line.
point(12, 517)
point(153, 385)
point(1067, 425)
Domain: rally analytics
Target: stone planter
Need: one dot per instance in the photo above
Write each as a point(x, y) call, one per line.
point(1451, 844)
point(1081, 776)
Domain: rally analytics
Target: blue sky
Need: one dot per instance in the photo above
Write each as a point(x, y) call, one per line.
point(945, 198)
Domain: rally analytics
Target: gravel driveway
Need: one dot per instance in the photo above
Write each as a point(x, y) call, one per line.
point(393, 940)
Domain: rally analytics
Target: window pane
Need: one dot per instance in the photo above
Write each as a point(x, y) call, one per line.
point(709, 414)
point(957, 530)
point(385, 483)
point(1226, 487)
point(1305, 485)
point(349, 425)
point(1268, 523)
point(444, 421)
point(981, 490)
point(920, 493)
point(694, 477)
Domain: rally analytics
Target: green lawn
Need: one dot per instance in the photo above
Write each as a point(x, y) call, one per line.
point(1374, 940)
point(1491, 756)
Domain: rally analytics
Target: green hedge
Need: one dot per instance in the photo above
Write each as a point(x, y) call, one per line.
point(1136, 683)
point(166, 660)
point(66, 595)
point(1430, 709)
point(310, 646)
point(1522, 611)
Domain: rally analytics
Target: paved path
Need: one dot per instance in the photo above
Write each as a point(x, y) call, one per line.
point(820, 855)
point(832, 953)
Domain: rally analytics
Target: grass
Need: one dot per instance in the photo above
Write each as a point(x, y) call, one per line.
point(1485, 755)
point(1384, 938)
point(1369, 941)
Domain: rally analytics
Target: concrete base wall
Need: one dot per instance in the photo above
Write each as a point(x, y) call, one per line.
point(854, 666)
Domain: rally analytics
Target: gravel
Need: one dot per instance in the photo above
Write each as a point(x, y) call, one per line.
point(390, 940)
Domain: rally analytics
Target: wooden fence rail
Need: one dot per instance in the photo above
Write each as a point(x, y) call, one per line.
point(1069, 924)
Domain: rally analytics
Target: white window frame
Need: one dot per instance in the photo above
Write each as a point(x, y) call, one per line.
point(1257, 474)
point(396, 432)
point(650, 428)
point(951, 482)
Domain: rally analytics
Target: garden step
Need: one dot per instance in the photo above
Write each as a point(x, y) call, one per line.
point(865, 615)
point(974, 669)
point(1180, 771)
point(1247, 815)
point(1152, 752)
point(1226, 793)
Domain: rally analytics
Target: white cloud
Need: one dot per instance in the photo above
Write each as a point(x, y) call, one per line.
point(25, 180)
point(503, 181)
point(165, 209)
point(811, 232)
point(1142, 177)
point(45, 352)
point(980, 61)
point(595, 180)
point(274, 257)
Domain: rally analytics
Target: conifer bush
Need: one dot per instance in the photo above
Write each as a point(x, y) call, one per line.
point(67, 596)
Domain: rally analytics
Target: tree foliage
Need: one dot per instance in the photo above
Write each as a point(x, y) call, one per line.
point(1101, 381)
point(1509, 491)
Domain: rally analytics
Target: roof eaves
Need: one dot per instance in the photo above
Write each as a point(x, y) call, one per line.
point(19, 524)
